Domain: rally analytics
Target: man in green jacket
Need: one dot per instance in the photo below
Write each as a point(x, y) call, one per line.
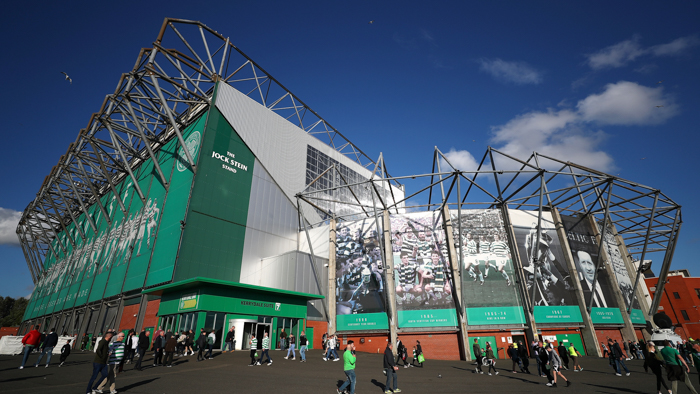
point(99, 364)
point(349, 368)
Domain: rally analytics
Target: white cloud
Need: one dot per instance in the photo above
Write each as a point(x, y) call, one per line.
point(461, 159)
point(627, 51)
point(675, 47)
point(572, 134)
point(519, 73)
point(627, 103)
point(616, 55)
point(9, 219)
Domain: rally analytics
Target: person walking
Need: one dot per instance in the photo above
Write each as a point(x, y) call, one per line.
point(265, 350)
point(574, 354)
point(476, 350)
point(513, 354)
point(627, 349)
point(170, 347)
point(65, 352)
point(211, 339)
point(142, 348)
point(653, 361)
point(130, 346)
point(283, 340)
point(30, 341)
point(524, 359)
point(292, 344)
point(303, 346)
point(536, 349)
point(390, 369)
point(554, 364)
point(116, 354)
point(159, 346)
point(617, 357)
point(330, 346)
point(349, 360)
point(99, 364)
point(544, 361)
point(181, 344)
point(84, 342)
point(229, 340)
point(201, 344)
point(605, 350)
point(564, 355)
point(49, 343)
point(674, 368)
point(253, 349)
point(490, 359)
point(189, 343)
point(419, 355)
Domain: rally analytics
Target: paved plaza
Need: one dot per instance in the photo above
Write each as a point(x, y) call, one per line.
point(229, 373)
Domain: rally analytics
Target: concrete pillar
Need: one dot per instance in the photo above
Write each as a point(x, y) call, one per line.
point(462, 334)
point(331, 278)
point(590, 340)
point(390, 282)
point(628, 329)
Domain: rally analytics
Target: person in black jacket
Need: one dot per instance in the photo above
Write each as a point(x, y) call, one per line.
point(390, 369)
point(419, 351)
point(656, 366)
point(229, 340)
point(201, 344)
point(522, 352)
point(476, 349)
point(544, 360)
point(144, 341)
point(513, 354)
point(99, 364)
point(617, 357)
point(65, 352)
point(159, 346)
point(48, 344)
point(564, 354)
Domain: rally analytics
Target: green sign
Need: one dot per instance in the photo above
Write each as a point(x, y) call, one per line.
point(637, 317)
point(495, 315)
point(362, 321)
point(606, 316)
point(427, 318)
point(188, 301)
point(558, 314)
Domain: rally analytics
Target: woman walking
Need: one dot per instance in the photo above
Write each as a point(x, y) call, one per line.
point(490, 360)
point(554, 363)
point(656, 366)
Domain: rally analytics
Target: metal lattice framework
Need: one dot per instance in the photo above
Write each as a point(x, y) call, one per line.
point(171, 84)
point(646, 218)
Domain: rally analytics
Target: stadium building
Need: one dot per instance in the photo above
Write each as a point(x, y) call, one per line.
point(204, 194)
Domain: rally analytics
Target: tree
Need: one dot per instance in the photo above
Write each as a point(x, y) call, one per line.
point(12, 311)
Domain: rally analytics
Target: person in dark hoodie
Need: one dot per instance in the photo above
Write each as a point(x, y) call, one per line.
point(170, 346)
point(476, 349)
point(65, 352)
point(390, 369)
point(99, 364)
point(522, 352)
point(651, 361)
point(201, 344)
point(49, 343)
point(144, 341)
point(564, 355)
point(159, 346)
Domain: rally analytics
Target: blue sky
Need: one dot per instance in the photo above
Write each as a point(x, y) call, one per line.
point(577, 80)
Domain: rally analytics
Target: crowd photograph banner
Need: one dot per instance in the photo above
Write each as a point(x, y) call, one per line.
point(622, 276)
point(360, 293)
point(488, 291)
point(546, 272)
point(584, 249)
point(422, 271)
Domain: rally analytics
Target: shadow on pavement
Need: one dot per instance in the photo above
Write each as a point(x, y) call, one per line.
point(137, 384)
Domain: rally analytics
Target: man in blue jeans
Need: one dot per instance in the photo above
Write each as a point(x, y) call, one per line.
point(616, 354)
point(303, 346)
point(349, 368)
point(99, 364)
point(49, 343)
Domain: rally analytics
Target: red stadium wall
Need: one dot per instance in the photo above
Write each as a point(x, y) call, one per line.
point(151, 318)
point(680, 295)
point(129, 316)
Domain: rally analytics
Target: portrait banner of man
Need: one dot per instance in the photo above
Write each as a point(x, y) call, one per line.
point(584, 249)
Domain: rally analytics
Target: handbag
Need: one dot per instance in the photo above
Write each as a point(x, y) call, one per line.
point(256, 354)
point(548, 366)
point(421, 358)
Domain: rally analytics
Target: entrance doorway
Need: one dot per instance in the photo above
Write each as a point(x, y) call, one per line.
point(259, 329)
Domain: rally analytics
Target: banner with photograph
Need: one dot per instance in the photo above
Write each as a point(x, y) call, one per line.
point(584, 249)
point(624, 280)
point(544, 267)
point(488, 291)
point(422, 271)
point(360, 295)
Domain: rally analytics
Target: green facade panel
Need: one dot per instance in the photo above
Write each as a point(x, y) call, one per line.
point(166, 247)
point(212, 243)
